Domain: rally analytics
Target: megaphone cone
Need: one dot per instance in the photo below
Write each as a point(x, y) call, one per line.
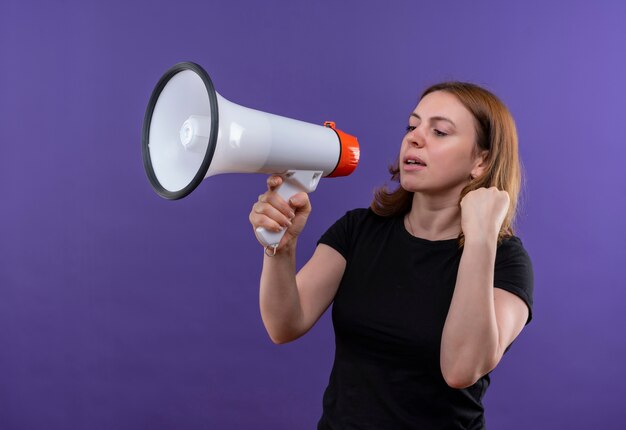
point(190, 132)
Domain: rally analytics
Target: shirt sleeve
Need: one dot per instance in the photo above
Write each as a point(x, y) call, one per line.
point(514, 271)
point(340, 235)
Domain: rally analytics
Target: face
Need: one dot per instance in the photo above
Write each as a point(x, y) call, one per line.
point(438, 152)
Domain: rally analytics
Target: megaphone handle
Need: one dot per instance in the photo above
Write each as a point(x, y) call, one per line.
point(294, 182)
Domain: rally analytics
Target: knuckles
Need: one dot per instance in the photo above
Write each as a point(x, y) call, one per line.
point(486, 194)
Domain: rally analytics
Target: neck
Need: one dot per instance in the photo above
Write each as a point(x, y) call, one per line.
point(434, 217)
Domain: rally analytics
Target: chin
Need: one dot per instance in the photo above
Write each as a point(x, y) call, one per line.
point(411, 186)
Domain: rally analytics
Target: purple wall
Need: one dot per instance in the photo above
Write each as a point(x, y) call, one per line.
point(120, 310)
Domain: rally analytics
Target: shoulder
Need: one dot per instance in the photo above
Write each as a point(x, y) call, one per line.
point(360, 213)
point(512, 247)
point(365, 214)
point(362, 219)
point(356, 226)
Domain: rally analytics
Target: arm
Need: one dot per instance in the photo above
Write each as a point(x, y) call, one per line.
point(290, 304)
point(482, 321)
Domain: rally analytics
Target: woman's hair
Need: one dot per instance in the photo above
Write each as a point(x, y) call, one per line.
point(495, 132)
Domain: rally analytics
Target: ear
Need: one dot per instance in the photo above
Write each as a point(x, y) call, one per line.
point(480, 164)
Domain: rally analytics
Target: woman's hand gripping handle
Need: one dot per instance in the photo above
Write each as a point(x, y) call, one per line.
point(281, 212)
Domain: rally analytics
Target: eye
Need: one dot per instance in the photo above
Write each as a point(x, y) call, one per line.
point(439, 133)
point(410, 128)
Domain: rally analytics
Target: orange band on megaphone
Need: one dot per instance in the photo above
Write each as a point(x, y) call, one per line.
point(349, 152)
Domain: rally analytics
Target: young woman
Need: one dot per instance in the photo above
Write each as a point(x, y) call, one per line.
point(429, 285)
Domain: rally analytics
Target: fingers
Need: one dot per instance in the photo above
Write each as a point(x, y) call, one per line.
point(259, 219)
point(273, 200)
point(272, 213)
point(274, 182)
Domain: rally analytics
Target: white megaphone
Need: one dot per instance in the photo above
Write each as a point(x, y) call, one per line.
point(190, 132)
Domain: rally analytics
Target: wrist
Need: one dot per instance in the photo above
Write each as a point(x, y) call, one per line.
point(485, 239)
point(284, 250)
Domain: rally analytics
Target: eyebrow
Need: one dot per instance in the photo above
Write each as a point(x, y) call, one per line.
point(434, 118)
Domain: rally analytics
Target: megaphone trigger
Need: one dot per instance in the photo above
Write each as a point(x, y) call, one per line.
point(294, 182)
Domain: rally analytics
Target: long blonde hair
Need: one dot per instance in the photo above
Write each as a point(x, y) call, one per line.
point(495, 132)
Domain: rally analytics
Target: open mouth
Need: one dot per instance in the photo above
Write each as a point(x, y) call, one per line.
point(414, 161)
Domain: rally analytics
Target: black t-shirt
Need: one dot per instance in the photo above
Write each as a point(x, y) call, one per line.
point(388, 316)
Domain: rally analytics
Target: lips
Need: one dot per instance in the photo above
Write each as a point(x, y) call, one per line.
point(413, 160)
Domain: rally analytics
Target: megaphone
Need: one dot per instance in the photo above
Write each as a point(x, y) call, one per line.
point(190, 132)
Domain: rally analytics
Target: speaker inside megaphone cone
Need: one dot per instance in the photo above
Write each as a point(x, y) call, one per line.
point(177, 148)
point(190, 132)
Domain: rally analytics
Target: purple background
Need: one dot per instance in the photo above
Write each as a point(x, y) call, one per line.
point(121, 310)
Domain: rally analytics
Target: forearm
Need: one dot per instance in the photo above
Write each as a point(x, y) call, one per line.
point(469, 345)
point(279, 299)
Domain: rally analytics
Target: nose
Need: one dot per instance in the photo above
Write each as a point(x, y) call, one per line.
point(416, 137)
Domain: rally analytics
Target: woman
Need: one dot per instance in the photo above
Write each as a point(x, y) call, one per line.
point(429, 285)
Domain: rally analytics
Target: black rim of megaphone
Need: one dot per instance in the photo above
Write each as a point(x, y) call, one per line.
point(208, 156)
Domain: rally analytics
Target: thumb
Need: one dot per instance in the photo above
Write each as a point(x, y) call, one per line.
point(299, 200)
